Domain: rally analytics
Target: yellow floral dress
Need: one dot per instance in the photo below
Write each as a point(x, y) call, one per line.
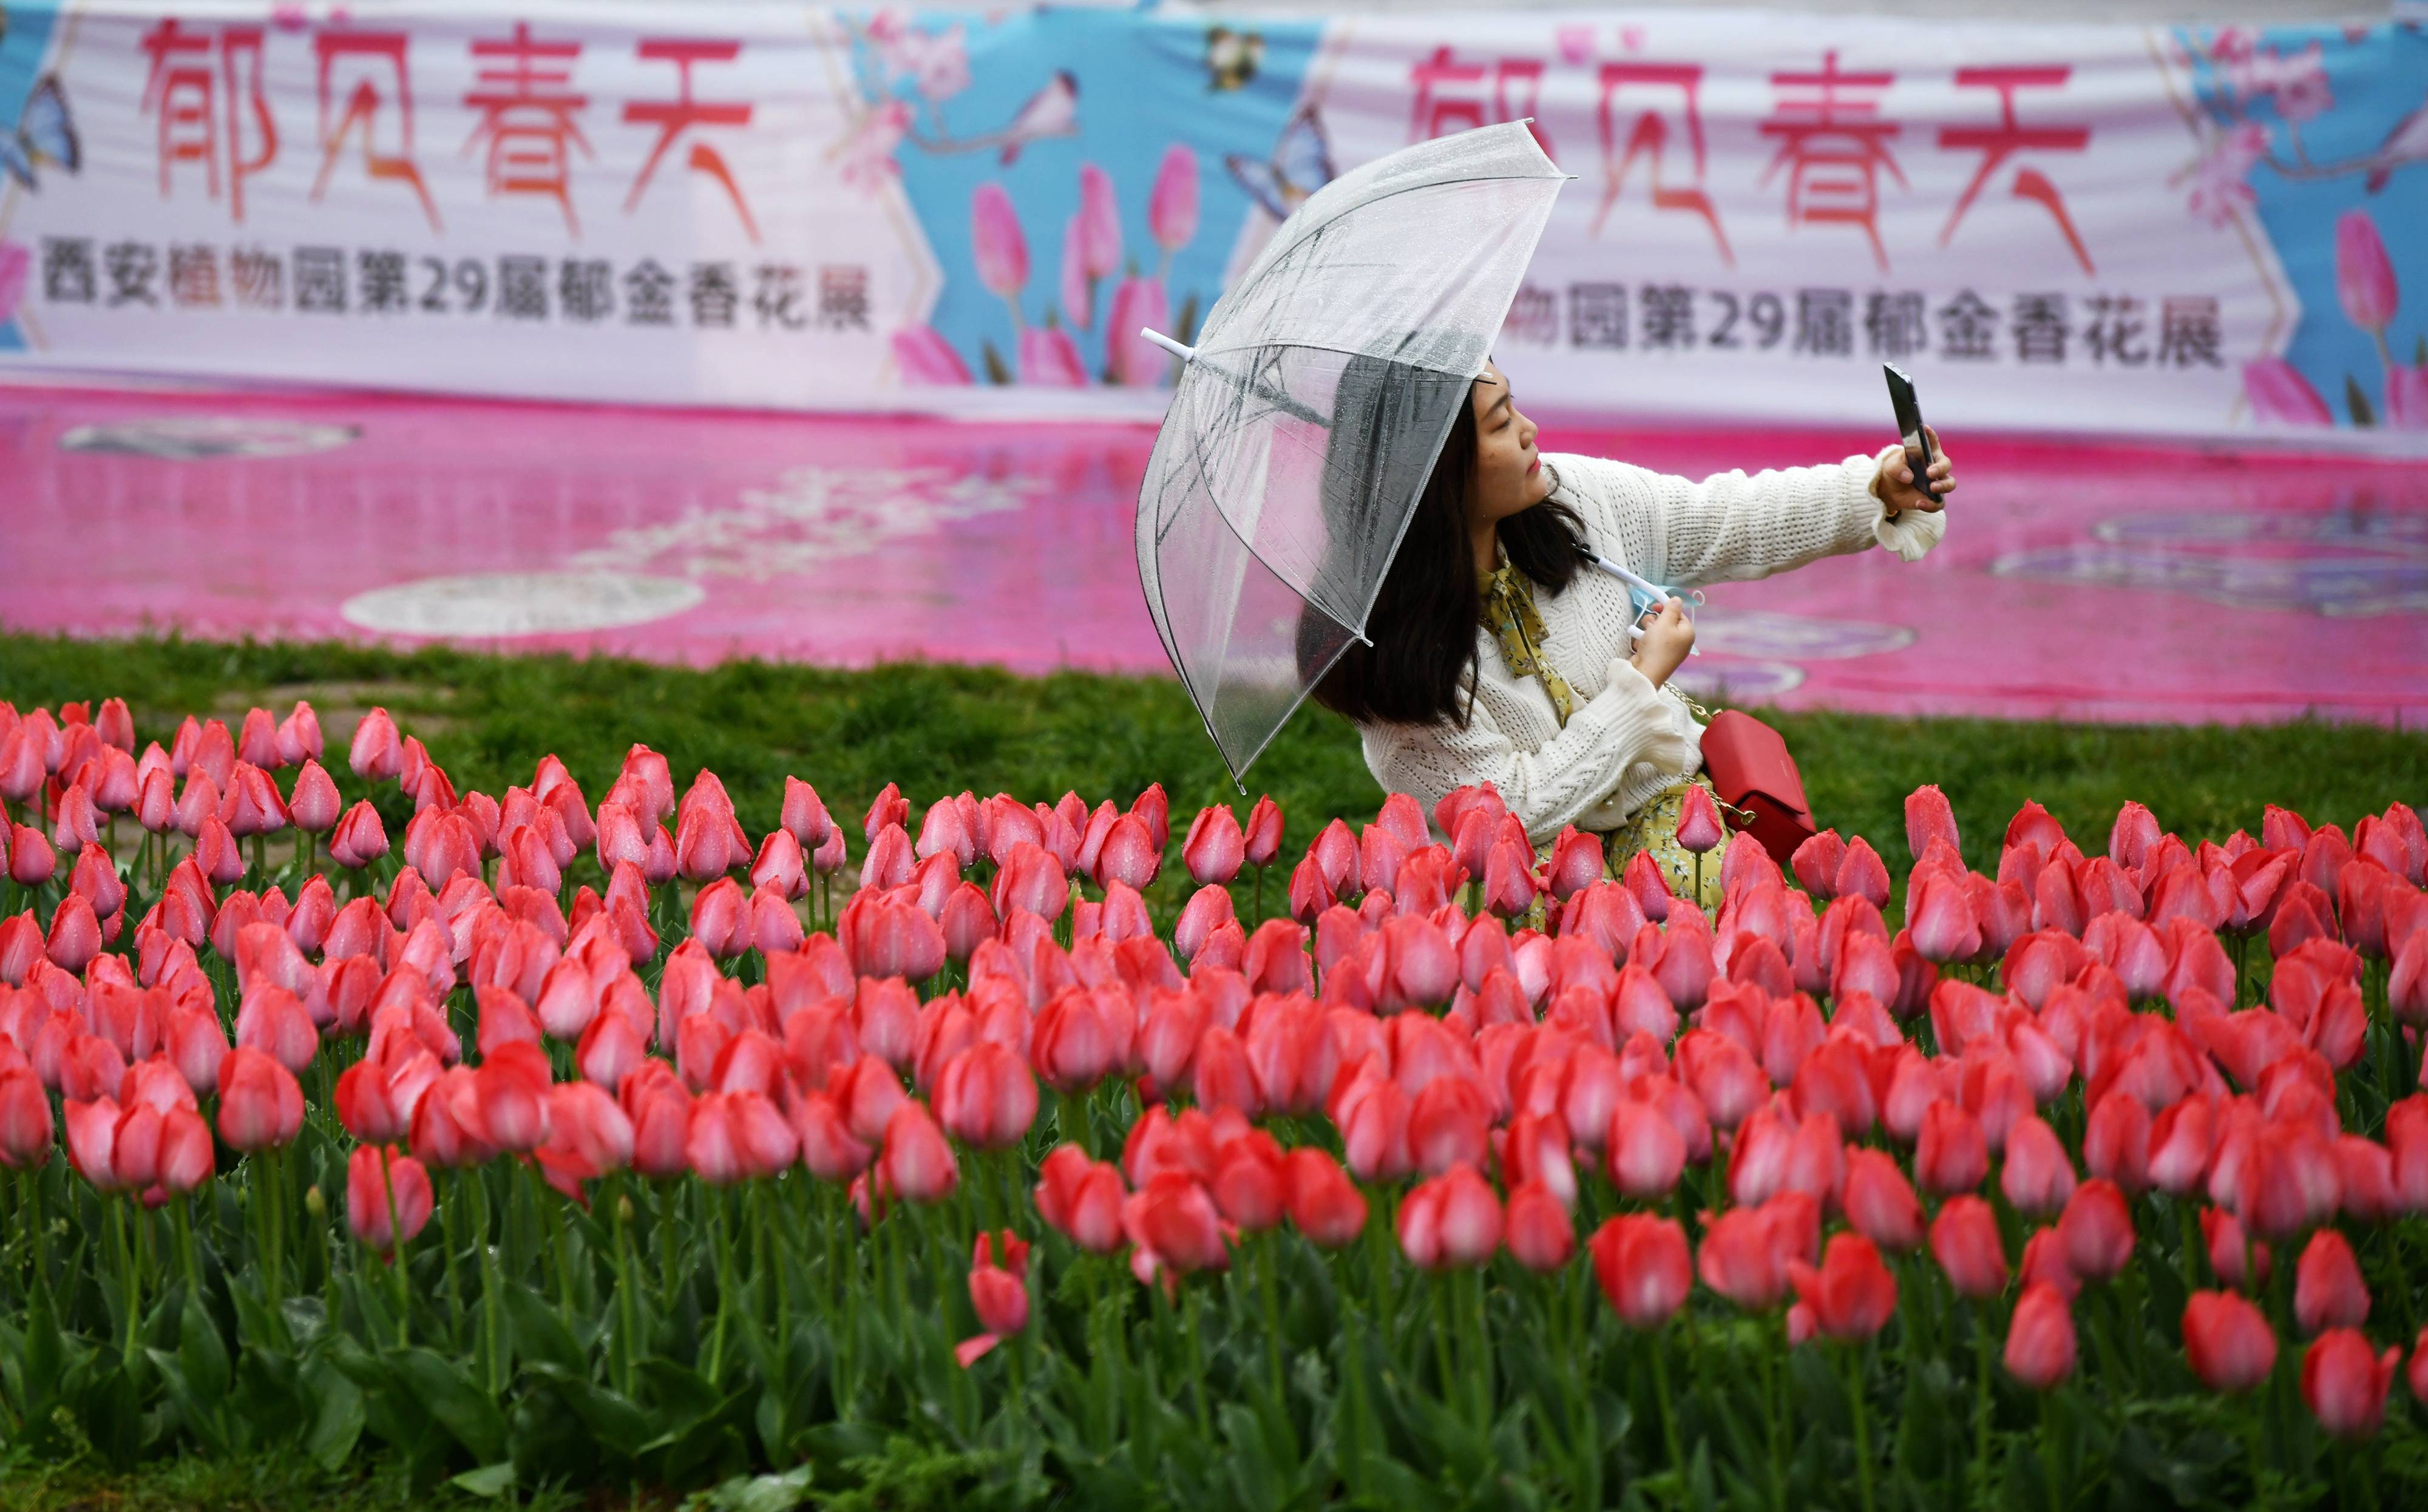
point(1509, 610)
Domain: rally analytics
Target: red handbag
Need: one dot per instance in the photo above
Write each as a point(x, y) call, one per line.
point(1759, 787)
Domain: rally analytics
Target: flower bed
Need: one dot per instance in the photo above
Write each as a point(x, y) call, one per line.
point(541, 1146)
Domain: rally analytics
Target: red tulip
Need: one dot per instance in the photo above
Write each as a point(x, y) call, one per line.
point(1216, 846)
point(1953, 1154)
point(26, 1126)
point(1964, 1240)
point(998, 1294)
point(1880, 1203)
point(75, 937)
point(2345, 1384)
point(1851, 1294)
point(2039, 1342)
point(2227, 1342)
point(1646, 1153)
point(1173, 1220)
point(1450, 1221)
point(1928, 817)
point(93, 1128)
point(915, 1162)
point(1945, 923)
point(1816, 862)
point(1746, 1251)
point(377, 753)
point(985, 1098)
point(2328, 1291)
point(1541, 1234)
point(1324, 1205)
point(388, 1198)
point(1081, 1198)
point(2037, 1178)
point(187, 1160)
point(2097, 1230)
point(261, 1105)
point(1249, 1187)
point(1641, 1263)
point(1698, 820)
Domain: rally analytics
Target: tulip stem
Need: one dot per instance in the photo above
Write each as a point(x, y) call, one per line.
point(1981, 1404)
point(627, 1326)
point(396, 1246)
point(1197, 1362)
point(1668, 1412)
point(2051, 1462)
point(1266, 1272)
point(1854, 1360)
point(128, 1281)
point(723, 1234)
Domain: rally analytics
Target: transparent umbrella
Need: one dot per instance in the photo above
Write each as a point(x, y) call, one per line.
point(1308, 414)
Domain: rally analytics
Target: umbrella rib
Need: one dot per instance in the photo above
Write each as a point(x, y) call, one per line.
point(1294, 243)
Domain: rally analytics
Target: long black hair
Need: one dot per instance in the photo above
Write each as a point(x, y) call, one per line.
point(1423, 623)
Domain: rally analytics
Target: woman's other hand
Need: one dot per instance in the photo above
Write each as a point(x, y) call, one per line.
point(1669, 636)
point(1898, 489)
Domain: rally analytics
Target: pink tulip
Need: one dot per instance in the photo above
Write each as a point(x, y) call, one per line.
point(1098, 224)
point(1050, 358)
point(1135, 361)
point(1699, 821)
point(2282, 396)
point(2364, 273)
point(1171, 207)
point(2407, 399)
point(996, 244)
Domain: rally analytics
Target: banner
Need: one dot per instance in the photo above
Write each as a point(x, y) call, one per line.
point(2063, 229)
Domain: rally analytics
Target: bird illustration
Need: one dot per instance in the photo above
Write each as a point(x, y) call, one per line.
point(46, 134)
point(1052, 111)
point(2407, 144)
point(1231, 58)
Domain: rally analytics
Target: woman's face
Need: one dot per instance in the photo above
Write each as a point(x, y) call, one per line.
point(1509, 476)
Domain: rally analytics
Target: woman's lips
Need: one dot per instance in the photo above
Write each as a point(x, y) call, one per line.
point(1534, 467)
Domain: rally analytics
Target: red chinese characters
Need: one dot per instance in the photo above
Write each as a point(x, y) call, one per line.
point(373, 59)
point(1650, 88)
point(527, 117)
point(673, 117)
point(1834, 143)
point(1451, 95)
point(206, 88)
point(1999, 142)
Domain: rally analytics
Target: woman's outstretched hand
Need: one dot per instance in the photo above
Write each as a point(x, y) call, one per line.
point(1898, 489)
point(1669, 636)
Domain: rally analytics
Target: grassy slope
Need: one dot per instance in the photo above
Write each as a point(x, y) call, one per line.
point(937, 729)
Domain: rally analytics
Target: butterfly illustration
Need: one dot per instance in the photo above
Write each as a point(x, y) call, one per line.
point(46, 134)
point(1231, 58)
point(1300, 164)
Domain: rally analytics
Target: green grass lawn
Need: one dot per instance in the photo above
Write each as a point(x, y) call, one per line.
point(937, 729)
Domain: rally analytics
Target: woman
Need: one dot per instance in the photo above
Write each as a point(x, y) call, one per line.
point(1498, 655)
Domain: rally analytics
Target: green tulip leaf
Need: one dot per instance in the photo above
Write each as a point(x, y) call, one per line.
point(489, 1480)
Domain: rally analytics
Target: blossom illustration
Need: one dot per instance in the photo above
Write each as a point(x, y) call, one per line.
point(867, 154)
point(2221, 178)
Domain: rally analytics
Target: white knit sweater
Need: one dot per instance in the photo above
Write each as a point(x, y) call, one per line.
point(1626, 739)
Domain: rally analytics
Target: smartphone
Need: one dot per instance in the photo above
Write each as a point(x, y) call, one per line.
point(1909, 419)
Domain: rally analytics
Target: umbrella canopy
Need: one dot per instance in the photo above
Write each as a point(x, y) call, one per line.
point(1309, 415)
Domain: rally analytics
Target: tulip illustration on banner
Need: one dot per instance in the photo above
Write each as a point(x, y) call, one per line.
point(2260, 93)
point(1075, 282)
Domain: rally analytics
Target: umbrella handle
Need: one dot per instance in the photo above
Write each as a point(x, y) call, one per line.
point(1184, 353)
point(1694, 597)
